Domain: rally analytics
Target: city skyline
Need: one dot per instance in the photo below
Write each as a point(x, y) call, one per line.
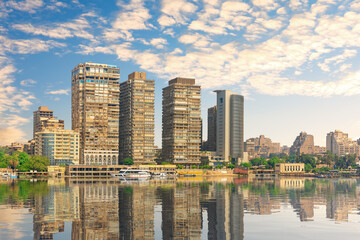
point(307, 84)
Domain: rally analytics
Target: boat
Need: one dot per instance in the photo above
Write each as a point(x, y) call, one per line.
point(159, 175)
point(132, 173)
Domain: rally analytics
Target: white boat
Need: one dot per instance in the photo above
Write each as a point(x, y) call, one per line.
point(159, 175)
point(132, 173)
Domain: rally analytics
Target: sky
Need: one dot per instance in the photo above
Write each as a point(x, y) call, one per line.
point(295, 61)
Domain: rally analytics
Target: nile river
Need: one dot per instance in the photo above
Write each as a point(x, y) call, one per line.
point(194, 208)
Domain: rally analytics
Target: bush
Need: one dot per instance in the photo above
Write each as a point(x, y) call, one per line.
point(180, 166)
point(193, 166)
point(128, 161)
point(231, 166)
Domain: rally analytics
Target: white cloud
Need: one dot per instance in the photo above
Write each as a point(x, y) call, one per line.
point(266, 4)
point(196, 40)
point(133, 16)
point(158, 43)
point(27, 82)
point(60, 91)
point(25, 6)
point(175, 12)
point(348, 53)
point(26, 46)
point(76, 28)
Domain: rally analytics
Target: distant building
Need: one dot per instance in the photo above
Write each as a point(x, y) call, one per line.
point(261, 147)
point(230, 125)
point(29, 147)
point(289, 168)
point(181, 121)
point(136, 136)
point(285, 149)
point(339, 143)
point(61, 147)
point(304, 143)
point(319, 150)
point(16, 147)
point(95, 95)
point(211, 142)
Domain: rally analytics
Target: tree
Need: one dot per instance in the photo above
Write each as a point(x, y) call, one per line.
point(37, 163)
point(273, 161)
point(165, 163)
point(128, 161)
point(246, 164)
point(308, 167)
point(180, 166)
point(231, 166)
point(258, 161)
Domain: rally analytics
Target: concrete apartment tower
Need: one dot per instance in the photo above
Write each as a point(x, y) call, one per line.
point(136, 132)
point(304, 143)
point(230, 125)
point(95, 95)
point(181, 122)
point(211, 143)
point(45, 120)
point(339, 143)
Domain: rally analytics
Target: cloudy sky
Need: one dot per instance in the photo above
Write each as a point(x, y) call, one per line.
point(295, 61)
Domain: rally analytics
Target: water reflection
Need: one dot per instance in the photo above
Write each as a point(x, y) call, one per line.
point(183, 209)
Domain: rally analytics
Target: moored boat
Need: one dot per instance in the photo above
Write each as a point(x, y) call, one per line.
point(133, 173)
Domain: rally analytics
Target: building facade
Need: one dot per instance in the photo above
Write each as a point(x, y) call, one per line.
point(230, 125)
point(41, 115)
point(261, 147)
point(211, 142)
point(181, 121)
point(304, 143)
point(289, 168)
point(95, 95)
point(339, 143)
point(136, 131)
point(61, 147)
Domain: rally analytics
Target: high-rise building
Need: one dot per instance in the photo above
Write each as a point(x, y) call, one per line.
point(136, 131)
point(42, 114)
point(339, 143)
point(211, 142)
point(61, 147)
point(95, 95)
point(304, 143)
point(181, 121)
point(230, 125)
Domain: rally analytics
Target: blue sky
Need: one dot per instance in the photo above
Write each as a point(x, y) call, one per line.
point(295, 61)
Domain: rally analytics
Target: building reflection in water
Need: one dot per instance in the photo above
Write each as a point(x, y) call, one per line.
point(109, 210)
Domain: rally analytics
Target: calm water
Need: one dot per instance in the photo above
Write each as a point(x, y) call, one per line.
point(283, 208)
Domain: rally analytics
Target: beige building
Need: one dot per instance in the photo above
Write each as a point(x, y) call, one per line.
point(181, 122)
point(261, 146)
point(289, 168)
point(304, 143)
point(29, 147)
point(136, 131)
point(95, 95)
point(42, 114)
point(339, 143)
point(61, 147)
point(16, 147)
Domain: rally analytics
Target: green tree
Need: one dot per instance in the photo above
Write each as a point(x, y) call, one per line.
point(180, 166)
point(248, 165)
point(165, 163)
point(231, 166)
point(273, 161)
point(258, 161)
point(308, 167)
point(128, 161)
point(37, 163)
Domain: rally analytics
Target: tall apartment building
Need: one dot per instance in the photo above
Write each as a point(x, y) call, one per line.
point(304, 143)
point(181, 121)
point(44, 117)
point(230, 125)
point(261, 146)
point(95, 95)
point(211, 142)
point(61, 147)
point(339, 143)
point(136, 132)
